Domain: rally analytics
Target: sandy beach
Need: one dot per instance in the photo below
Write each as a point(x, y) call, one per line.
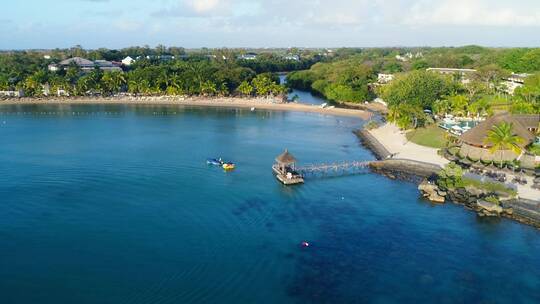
point(394, 140)
point(226, 102)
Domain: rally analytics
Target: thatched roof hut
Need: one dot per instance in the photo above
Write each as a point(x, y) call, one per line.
point(522, 127)
point(285, 158)
point(475, 153)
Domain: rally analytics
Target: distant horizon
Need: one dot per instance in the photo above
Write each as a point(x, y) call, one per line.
point(267, 48)
point(115, 24)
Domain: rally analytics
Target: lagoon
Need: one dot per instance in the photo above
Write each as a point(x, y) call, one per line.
point(115, 204)
point(301, 95)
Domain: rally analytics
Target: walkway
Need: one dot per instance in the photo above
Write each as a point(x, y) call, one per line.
point(394, 140)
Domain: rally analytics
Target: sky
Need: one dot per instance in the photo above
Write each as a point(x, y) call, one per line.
point(44, 24)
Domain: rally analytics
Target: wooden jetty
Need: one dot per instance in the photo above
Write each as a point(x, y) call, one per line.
point(337, 168)
point(289, 174)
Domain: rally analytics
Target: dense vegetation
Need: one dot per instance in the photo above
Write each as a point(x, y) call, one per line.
point(345, 75)
point(410, 94)
point(350, 76)
point(201, 72)
point(342, 80)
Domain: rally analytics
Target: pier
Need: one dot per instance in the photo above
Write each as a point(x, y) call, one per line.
point(334, 169)
point(289, 174)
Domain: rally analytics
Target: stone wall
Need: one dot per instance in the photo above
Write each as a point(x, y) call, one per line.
point(370, 142)
point(404, 168)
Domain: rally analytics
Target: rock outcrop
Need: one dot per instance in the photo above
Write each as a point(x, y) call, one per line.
point(432, 192)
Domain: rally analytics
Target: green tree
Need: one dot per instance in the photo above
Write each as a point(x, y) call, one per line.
point(502, 137)
point(245, 88)
point(418, 88)
point(459, 104)
point(450, 177)
point(481, 106)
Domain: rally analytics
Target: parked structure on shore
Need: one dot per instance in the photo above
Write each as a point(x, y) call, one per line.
point(475, 146)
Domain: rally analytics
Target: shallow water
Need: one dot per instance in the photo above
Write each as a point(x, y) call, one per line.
point(303, 96)
point(115, 204)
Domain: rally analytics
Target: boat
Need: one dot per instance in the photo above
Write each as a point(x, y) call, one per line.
point(214, 162)
point(228, 166)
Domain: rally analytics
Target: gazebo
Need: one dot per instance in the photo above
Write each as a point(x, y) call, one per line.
point(285, 169)
point(285, 162)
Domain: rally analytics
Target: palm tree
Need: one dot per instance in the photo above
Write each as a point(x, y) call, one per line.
point(502, 137)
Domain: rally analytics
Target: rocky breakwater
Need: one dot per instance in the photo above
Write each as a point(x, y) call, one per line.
point(482, 201)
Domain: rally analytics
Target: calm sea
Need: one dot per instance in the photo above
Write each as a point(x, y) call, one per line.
point(115, 204)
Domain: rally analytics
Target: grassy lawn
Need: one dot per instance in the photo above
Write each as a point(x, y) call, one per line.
point(535, 149)
point(431, 136)
point(489, 186)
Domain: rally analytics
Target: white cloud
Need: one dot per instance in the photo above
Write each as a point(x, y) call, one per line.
point(474, 13)
point(204, 6)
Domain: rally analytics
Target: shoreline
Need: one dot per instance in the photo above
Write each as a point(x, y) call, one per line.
point(218, 102)
point(386, 141)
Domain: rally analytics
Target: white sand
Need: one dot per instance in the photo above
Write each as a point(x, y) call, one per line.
point(395, 142)
point(232, 102)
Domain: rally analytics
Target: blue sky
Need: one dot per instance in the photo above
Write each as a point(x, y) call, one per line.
point(268, 23)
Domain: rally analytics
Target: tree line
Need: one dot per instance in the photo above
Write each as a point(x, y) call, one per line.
point(195, 76)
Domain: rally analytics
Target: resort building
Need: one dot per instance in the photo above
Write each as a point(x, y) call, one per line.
point(452, 71)
point(513, 82)
point(292, 57)
point(463, 74)
point(128, 61)
point(85, 65)
point(474, 145)
point(248, 56)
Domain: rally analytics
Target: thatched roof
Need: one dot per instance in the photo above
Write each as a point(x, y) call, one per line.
point(476, 153)
point(286, 158)
point(529, 121)
point(477, 135)
point(527, 161)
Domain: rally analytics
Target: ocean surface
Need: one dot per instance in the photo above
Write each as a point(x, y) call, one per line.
point(115, 204)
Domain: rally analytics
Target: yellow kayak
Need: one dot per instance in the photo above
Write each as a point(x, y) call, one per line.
point(228, 166)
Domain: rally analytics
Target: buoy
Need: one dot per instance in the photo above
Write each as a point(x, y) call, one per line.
point(305, 244)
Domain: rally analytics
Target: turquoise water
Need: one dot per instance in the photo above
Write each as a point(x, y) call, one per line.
point(303, 96)
point(115, 204)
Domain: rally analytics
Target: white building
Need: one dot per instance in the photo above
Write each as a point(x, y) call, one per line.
point(451, 71)
point(248, 56)
point(62, 92)
point(128, 61)
point(292, 57)
point(85, 65)
point(513, 82)
point(12, 93)
point(384, 78)
point(409, 56)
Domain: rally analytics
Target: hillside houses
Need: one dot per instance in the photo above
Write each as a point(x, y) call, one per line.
point(85, 65)
point(409, 56)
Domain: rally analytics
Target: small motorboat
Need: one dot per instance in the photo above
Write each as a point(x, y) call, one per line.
point(304, 244)
point(228, 166)
point(214, 162)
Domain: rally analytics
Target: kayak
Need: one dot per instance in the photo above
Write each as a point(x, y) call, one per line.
point(214, 162)
point(228, 166)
